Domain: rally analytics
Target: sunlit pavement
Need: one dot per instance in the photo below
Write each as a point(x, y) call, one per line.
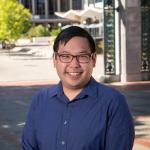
point(32, 63)
point(22, 74)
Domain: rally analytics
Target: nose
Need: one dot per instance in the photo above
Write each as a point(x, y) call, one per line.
point(74, 62)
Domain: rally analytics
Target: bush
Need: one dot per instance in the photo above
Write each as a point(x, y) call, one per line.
point(54, 32)
point(37, 31)
point(55, 29)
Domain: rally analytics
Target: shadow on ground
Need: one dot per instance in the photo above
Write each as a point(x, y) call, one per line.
point(14, 103)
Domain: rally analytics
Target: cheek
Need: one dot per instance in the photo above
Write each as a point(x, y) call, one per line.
point(88, 68)
point(60, 67)
point(57, 64)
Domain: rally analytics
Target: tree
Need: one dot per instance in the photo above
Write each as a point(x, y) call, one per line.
point(14, 19)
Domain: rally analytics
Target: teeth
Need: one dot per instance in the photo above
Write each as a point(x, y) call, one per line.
point(74, 74)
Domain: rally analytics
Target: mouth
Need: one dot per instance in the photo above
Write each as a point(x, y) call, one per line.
point(74, 75)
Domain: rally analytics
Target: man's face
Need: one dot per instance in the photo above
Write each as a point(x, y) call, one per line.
point(74, 74)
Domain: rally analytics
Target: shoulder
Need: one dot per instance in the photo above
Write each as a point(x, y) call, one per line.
point(103, 92)
point(110, 91)
point(110, 95)
point(113, 101)
point(44, 94)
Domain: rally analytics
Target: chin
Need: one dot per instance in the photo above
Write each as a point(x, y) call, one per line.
point(77, 85)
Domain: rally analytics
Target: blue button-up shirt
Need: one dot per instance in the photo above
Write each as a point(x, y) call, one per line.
point(97, 119)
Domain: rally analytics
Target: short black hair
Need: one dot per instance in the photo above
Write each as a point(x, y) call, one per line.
point(65, 35)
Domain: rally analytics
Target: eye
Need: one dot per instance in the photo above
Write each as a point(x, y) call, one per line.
point(64, 56)
point(84, 56)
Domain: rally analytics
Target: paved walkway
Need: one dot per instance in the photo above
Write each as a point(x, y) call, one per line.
point(32, 63)
point(26, 70)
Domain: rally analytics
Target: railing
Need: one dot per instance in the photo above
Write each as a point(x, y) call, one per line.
point(109, 37)
point(145, 53)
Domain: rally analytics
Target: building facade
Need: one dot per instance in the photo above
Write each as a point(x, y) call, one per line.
point(44, 10)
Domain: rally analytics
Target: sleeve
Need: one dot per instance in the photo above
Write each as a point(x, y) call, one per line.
point(120, 132)
point(28, 135)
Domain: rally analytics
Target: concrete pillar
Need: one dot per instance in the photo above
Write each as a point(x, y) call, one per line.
point(86, 4)
point(82, 4)
point(58, 5)
point(46, 9)
point(117, 48)
point(130, 40)
point(70, 7)
point(94, 2)
point(33, 7)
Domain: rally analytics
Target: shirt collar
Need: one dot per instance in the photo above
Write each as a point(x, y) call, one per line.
point(55, 90)
point(89, 90)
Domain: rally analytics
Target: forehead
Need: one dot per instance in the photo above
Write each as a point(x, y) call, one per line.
point(75, 44)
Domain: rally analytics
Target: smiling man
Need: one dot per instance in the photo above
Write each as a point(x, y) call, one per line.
point(74, 62)
point(78, 113)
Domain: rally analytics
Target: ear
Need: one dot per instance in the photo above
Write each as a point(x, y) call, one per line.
point(54, 60)
point(94, 58)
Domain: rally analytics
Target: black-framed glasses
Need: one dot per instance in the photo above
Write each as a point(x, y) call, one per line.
point(67, 58)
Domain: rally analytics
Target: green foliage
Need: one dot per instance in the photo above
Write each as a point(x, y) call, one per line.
point(54, 32)
point(37, 31)
point(14, 19)
point(40, 30)
point(99, 45)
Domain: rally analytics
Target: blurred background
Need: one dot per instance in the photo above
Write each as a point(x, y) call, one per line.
point(121, 30)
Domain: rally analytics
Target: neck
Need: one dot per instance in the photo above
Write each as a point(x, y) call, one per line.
point(71, 93)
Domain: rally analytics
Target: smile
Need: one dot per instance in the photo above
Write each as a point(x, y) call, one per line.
point(74, 73)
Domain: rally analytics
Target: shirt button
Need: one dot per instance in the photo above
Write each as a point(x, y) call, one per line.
point(65, 122)
point(63, 142)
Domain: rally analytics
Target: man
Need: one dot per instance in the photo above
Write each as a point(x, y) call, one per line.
point(78, 113)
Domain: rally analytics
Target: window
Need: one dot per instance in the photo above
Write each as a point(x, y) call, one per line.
point(96, 1)
point(76, 4)
point(52, 6)
point(64, 5)
point(40, 7)
point(27, 4)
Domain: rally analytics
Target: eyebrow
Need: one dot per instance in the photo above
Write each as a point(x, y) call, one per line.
point(82, 52)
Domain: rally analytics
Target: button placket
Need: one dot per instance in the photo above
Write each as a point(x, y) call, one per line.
point(65, 125)
point(63, 142)
point(65, 122)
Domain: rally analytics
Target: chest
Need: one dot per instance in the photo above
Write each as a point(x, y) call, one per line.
point(74, 126)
